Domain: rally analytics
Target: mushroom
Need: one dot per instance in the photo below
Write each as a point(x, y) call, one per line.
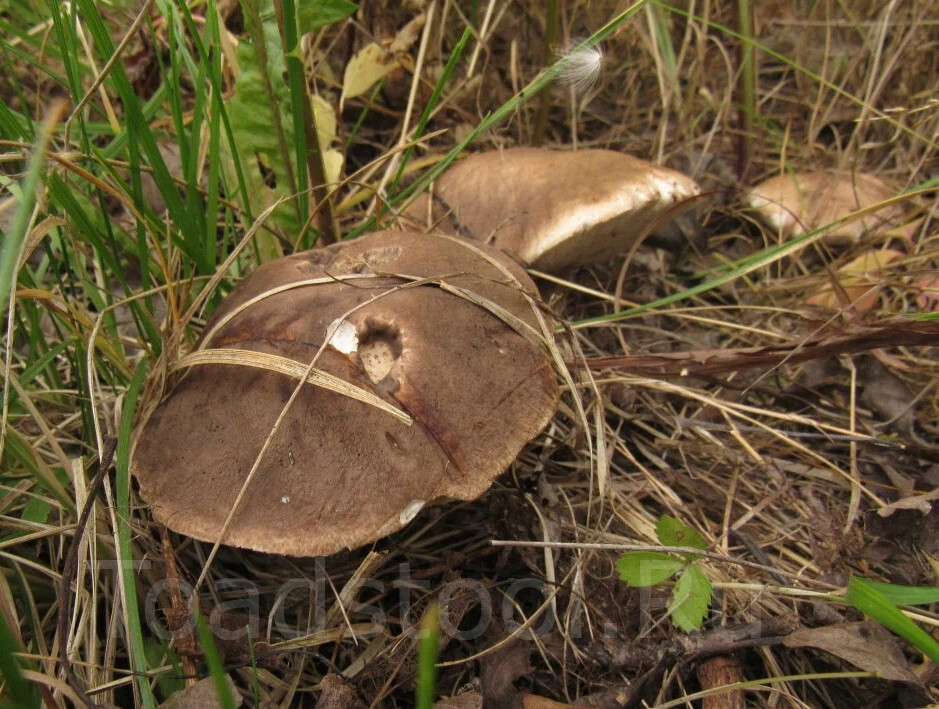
point(555, 210)
point(401, 327)
point(795, 204)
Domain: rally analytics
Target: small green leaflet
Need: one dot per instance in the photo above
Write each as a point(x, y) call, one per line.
point(673, 533)
point(314, 14)
point(690, 599)
point(691, 595)
point(647, 568)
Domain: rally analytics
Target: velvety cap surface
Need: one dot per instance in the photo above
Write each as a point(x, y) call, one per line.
point(341, 472)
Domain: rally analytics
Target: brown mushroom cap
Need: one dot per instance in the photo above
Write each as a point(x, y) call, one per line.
point(556, 210)
point(795, 204)
point(341, 472)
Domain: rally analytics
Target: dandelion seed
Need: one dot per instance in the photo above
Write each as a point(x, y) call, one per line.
point(581, 65)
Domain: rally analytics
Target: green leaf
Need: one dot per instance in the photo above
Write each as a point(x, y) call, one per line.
point(18, 690)
point(868, 598)
point(313, 14)
point(37, 510)
point(673, 533)
point(906, 595)
point(690, 599)
point(647, 568)
point(258, 147)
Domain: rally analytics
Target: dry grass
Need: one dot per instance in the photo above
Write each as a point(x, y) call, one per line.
point(781, 467)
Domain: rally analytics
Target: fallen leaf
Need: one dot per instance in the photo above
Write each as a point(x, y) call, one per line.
point(928, 296)
point(866, 645)
point(858, 280)
point(336, 693)
point(887, 395)
point(369, 65)
point(408, 34)
point(325, 119)
point(498, 672)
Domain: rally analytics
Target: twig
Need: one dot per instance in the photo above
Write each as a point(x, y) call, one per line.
point(892, 332)
point(654, 547)
point(71, 563)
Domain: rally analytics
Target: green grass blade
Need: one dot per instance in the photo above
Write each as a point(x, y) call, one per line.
point(13, 239)
point(448, 69)
point(905, 595)
point(13, 125)
point(870, 600)
point(428, 645)
point(408, 195)
point(137, 649)
point(214, 661)
point(741, 268)
point(187, 220)
point(298, 94)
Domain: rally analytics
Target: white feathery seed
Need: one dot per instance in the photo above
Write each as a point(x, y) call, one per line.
point(581, 65)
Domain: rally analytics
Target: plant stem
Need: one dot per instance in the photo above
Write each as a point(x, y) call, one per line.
point(746, 89)
point(552, 20)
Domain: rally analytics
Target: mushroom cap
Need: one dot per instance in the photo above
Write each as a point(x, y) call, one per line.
point(341, 472)
point(795, 204)
point(557, 210)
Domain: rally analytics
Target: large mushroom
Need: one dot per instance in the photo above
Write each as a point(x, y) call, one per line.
point(555, 210)
point(400, 327)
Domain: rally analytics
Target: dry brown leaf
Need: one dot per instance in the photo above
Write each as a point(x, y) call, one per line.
point(866, 645)
point(498, 672)
point(369, 65)
point(928, 296)
point(408, 34)
point(336, 693)
point(884, 393)
point(374, 62)
point(858, 281)
point(325, 119)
